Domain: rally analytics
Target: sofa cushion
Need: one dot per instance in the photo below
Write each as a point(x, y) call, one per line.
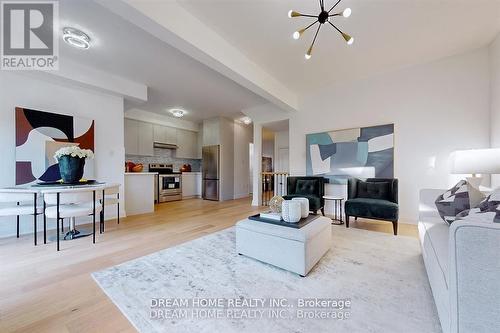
point(314, 201)
point(307, 186)
point(376, 208)
point(437, 236)
point(459, 198)
point(373, 190)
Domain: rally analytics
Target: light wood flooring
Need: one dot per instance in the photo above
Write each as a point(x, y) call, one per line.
point(42, 290)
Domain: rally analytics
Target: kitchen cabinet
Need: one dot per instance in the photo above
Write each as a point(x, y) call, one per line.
point(171, 135)
point(188, 144)
point(191, 185)
point(165, 134)
point(159, 133)
point(211, 130)
point(145, 139)
point(138, 138)
point(131, 137)
point(139, 192)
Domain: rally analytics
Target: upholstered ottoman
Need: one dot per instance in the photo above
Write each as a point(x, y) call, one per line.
point(296, 250)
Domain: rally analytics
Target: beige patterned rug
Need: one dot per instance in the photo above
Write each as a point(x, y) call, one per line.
point(378, 282)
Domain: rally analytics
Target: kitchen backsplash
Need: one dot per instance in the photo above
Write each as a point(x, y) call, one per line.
point(166, 156)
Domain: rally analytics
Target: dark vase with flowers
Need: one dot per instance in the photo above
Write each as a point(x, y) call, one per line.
point(71, 168)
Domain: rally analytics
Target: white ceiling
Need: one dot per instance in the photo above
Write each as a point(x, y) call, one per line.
point(174, 79)
point(389, 34)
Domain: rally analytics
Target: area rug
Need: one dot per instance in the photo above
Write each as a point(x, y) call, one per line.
point(367, 282)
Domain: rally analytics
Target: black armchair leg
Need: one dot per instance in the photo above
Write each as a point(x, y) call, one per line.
point(395, 227)
point(347, 221)
point(323, 211)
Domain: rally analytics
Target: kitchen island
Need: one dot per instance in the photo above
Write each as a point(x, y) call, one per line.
point(140, 192)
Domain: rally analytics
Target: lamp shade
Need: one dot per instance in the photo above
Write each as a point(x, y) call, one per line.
point(476, 161)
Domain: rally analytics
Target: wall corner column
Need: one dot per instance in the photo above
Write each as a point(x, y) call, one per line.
point(257, 165)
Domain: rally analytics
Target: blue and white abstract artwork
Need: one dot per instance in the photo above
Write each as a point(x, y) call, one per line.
point(364, 152)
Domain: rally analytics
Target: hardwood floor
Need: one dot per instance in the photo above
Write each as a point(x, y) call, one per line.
point(42, 290)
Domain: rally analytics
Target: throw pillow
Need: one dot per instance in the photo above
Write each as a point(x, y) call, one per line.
point(487, 211)
point(459, 198)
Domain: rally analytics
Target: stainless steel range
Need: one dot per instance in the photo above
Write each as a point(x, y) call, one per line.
point(169, 187)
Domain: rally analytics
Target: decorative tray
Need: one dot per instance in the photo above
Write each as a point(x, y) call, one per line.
point(303, 222)
point(59, 183)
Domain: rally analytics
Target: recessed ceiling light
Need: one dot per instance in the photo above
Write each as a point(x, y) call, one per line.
point(76, 38)
point(179, 113)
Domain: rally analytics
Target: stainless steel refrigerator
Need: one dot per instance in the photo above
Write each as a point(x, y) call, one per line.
point(211, 172)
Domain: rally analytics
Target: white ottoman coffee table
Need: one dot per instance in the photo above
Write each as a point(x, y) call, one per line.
point(296, 250)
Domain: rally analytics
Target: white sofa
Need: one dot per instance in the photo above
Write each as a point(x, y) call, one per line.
point(463, 267)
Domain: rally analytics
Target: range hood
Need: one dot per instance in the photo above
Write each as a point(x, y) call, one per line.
point(163, 145)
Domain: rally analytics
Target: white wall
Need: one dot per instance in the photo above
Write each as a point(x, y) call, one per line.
point(436, 108)
point(242, 138)
point(495, 100)
point(29, 92)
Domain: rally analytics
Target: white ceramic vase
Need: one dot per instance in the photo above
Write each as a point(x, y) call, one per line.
point(304, 206)
point(291, 211)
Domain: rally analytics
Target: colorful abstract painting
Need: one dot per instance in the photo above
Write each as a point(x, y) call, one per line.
point(359, 152)
point(39, 135)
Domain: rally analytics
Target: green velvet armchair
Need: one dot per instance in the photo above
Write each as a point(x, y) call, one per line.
point(312, 188)
point(373, 198)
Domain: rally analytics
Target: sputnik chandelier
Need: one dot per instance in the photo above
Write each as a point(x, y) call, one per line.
point(323, 17)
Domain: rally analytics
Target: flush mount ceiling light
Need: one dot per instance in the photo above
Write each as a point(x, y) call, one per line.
point(76, 38)
point(322, 18)
point(246, 120)
point(178, 113)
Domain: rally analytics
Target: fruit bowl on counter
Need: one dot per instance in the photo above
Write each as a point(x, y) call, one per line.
point(185, 168)
point(132, 167)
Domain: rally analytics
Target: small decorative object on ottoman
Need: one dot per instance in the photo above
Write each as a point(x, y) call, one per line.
point(296, 250)
point(291, 211)
point(275, 203)
point(304, 204)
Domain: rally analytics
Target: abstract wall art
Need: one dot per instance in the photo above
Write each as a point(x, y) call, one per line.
point(39, 134)
point(358, 152)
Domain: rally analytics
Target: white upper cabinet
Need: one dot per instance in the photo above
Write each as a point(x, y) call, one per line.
point(138, 138)
point(211, 130)
point(146, 139)
point(131, 137)
point(164, 134)
point(187, 141)
point(159, 133)
point(171, 135)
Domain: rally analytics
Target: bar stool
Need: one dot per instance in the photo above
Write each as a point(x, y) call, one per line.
point(71, 203)
point(17, 203)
